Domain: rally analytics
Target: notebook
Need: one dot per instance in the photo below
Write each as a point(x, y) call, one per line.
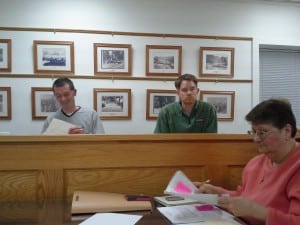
point(92, 202)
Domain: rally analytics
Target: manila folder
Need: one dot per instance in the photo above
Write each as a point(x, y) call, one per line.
point(93, 202)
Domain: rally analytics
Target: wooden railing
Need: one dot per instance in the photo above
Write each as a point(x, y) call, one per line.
point(53, 167)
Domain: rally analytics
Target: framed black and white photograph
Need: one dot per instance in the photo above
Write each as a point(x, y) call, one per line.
point(163, 60)
point(216, 62)
point(223, 102)
point(156, 99)
point(53, 57)
point(5, 55)
point(43, 102)
point(5, 103)
point(113, 104)
point(112, 59)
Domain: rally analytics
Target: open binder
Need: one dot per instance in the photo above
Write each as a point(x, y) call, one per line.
point(85, 202)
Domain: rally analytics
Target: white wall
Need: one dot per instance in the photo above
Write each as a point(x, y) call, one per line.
point(267, 23)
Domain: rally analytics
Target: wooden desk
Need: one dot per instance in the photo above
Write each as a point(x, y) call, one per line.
point(54, 212)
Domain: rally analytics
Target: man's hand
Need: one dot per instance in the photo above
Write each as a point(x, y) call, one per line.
point(76, 130)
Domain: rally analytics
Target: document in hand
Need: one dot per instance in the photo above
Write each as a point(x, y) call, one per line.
point(180, 185)
point(59, 127)
point(184, 214)
point(92, 202)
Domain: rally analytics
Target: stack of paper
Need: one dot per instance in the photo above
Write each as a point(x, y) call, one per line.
point(180, 185)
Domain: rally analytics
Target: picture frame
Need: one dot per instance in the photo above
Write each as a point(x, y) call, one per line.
point(53, 57)
point(43, 102)
point(163, 60)
point(112, 59)
point(5, 55)
point(156, 99)
point(113, 104)
point(216, 62)
point(5, 103)
point(223, 102)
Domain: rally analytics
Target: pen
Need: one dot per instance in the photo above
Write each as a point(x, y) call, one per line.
point(205, 182)
point(198, 184)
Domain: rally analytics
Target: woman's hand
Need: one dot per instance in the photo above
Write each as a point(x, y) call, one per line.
point(207, 188)
point(240, 206)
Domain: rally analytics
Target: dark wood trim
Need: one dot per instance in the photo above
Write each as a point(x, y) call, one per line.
point(192, 36)
point(120, 78)
point(127, 138)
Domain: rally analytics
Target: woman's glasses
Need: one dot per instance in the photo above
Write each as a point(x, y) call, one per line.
point(261, 134)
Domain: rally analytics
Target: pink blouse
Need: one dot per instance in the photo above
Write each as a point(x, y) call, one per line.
point(277, 188)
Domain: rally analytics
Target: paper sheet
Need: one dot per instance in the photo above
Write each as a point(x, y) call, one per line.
point(214, 222)
point(59, 127)
point(180, 185)
point(111, 219)
point(186, 214)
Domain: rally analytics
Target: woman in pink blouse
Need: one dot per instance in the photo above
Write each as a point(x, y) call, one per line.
point(270, 190)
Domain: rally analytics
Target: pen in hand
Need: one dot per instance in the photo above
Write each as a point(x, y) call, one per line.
point(205, 182)
point(198, 184)
point(206, 188)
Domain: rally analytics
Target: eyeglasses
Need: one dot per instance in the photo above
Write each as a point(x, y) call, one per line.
point(261, 134)
point(185, 90)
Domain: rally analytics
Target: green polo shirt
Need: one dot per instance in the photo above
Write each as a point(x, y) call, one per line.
point(203, 119)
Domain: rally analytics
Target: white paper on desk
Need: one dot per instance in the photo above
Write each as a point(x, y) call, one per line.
point(180, 185)
point(111, 219)
point(186, 214)
point(59, 127)
point(214, 222)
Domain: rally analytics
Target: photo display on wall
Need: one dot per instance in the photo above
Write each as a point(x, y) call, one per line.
point(223, 101)
point(113, 104)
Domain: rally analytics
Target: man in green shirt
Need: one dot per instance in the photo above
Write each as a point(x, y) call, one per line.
point(189, 115)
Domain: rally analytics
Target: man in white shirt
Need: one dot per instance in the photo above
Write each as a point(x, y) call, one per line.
point(86, 121)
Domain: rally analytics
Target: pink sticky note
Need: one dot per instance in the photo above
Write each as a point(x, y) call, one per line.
point(182, 188)
point(204, 207)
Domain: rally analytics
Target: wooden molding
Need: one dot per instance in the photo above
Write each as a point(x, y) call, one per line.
point(122, 78)
point(192, 36)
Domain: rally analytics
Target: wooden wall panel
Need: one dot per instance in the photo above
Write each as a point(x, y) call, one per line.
point(18, 184)
point(52, 167)
point(50, 184)
point(140, 180)
point(234, 176)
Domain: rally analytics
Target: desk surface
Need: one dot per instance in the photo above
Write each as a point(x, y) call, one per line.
point(54, 212)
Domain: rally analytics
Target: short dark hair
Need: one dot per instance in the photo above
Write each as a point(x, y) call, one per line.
point(189, 77)
point(60, 82)
point(277, 112)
